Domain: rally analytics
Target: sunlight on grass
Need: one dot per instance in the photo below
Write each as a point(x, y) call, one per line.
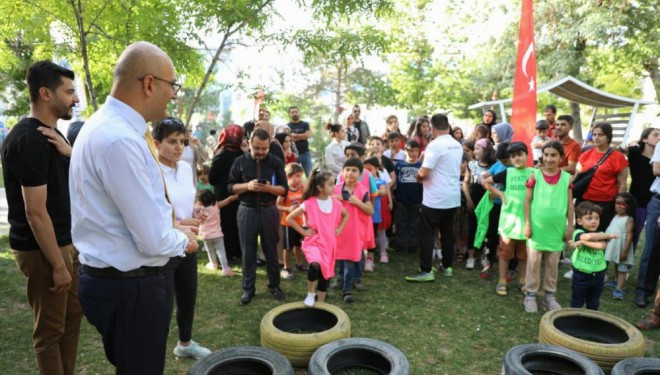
point(455, 325)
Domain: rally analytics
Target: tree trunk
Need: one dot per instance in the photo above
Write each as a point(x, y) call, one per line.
point(198, 95)
point(82, 34)
point(340, 69)
point(577, 124)
point(652, 68)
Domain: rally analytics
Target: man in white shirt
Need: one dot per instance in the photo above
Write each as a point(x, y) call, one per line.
point(649, 265)
point(440, 176)
point(122, 222)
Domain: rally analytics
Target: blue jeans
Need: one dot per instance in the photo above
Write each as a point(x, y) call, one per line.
point(647, 276)
point(306, 161)
point(347, 272)
point(359, 266)
point(587, 287)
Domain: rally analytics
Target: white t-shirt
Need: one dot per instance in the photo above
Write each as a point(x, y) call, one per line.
point(180, 189)
point(325, 205)
point(655, 186)
point(399, 155)
point(443, 157)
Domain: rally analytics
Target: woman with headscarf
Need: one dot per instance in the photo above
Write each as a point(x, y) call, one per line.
point(502, 132)
point(228, 149)
point(489, 120)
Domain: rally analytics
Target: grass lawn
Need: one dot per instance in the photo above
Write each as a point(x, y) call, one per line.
point(455, 325)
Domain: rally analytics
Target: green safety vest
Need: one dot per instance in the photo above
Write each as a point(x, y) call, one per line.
point(548, 213)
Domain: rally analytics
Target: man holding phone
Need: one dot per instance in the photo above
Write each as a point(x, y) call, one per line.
point(258, 178)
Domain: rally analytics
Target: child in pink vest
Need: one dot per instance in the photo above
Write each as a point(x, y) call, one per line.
point(356, 200)
point(325, 218)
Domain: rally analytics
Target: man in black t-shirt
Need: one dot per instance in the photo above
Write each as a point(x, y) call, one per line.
point(300, 134)
point(35, 165)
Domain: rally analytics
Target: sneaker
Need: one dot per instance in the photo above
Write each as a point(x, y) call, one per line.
point(501, 290)
point(618, 294)
point(301, 268)
point(193, 350)
point(485, 272)
point(286, 274)
point(610, 284)
point(348, 298)
point(421, 277)
point(568, 275)
point(384, 258)
point(211, 266)
point(530, 304)
point(448, 272)
point(338, 283)
point(550, 302)
point(310, 299)
point(357, 284)
point(470, 264)
point(369, 265)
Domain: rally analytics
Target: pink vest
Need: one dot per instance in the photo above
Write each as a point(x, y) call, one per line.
point(321, 246)
point(369, 235)
point(350, 242)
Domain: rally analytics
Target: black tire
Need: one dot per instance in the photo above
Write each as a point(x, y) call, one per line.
point(358, 353)
point(604, 338)
point(242, 360)
point(530, 359)
point(296, 331)
point(637, 366)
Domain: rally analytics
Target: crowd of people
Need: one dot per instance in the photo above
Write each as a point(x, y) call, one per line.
point(108, 228)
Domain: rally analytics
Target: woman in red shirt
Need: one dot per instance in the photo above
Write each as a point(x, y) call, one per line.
point(610, 178)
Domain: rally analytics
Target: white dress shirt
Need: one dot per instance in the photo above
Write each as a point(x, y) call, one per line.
point(120, 216)
point(180, 189)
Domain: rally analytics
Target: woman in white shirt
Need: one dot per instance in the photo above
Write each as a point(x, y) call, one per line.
point(334, 152)
point(180, 272)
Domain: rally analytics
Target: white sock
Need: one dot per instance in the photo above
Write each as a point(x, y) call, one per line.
point(309, 300)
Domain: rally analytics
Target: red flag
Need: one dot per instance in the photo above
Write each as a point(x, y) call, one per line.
point(523, 108)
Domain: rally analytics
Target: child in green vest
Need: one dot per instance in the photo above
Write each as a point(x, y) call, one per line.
point(548, 223)
point(512, 218)
point(589, 257)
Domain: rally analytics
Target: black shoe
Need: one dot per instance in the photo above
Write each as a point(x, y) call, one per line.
point(348, 298)
point(641, 300)
point(278, 293)
point(246, 298)
point(260, 262)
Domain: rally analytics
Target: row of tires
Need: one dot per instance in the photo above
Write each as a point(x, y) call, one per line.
point(315, 338)
point(531, 359)
point(319, 338)
point(354, 353)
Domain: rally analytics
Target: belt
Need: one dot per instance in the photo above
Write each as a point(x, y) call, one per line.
point(113, 273)
point(258, 205)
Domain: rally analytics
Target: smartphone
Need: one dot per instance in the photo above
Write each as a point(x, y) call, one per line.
point(262, 181)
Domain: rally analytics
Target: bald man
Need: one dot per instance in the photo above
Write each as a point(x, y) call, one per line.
point(121, 217)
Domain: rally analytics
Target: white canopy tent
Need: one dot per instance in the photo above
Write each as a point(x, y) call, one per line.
point(572, 89)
